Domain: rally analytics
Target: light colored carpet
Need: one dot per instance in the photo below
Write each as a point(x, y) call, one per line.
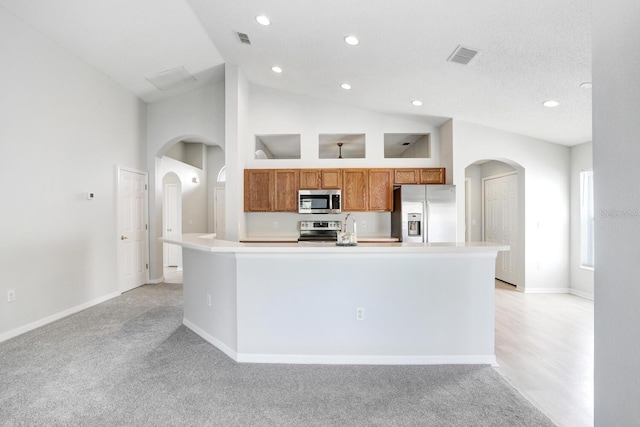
point(130, 361)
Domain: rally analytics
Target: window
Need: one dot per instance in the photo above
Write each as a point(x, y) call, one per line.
point(222, 175)
point(586, 219)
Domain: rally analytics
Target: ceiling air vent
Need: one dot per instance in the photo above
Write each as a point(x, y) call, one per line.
point(462, 55)
point(244, 38)
point(172, 78)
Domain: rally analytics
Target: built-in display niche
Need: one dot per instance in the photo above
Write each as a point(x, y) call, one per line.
point(282, 146)
point(342, 146)
point(407, 145)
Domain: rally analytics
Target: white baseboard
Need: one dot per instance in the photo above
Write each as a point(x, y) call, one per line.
point(546, 290)
point(155, 281)
point(211, 340)
point(581, 294)
point(320, 359)
point(38, 323)
point(367, 360)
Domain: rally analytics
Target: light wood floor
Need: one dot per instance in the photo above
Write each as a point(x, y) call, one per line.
point(544, 346)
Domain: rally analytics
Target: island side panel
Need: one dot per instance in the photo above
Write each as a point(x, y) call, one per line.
point(214, 274)
point(423, 308)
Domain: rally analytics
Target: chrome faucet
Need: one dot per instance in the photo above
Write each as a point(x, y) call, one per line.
point(346, 226)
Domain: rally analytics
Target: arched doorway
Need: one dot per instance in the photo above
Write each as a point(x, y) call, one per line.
point(186, 192)
point(495, 213)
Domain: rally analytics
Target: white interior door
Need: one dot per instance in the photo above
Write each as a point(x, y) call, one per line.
point(501, 223)
point(220, 223)
point(172, 223)
point(132, 224)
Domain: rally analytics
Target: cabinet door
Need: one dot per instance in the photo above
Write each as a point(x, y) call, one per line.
point(286, 190)
point(258, 190)
point(432, 176)
point(381, 190)
point(309, 179)
point(406, 176)
point(331, 178)
point(354, 190)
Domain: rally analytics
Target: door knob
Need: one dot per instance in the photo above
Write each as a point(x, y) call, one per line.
point(123, 238)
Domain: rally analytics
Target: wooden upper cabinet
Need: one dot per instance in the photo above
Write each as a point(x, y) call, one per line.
point(419, 176)
point(406, 176)
point(331, 179)
point(258, 190)
point(355, 190)
point(285, 190)
point(320, 178)
point(309, 179)
point(380, 190)
point(276, 190)
point(432, 176)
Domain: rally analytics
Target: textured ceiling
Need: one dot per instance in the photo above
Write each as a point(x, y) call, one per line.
point(529, 52)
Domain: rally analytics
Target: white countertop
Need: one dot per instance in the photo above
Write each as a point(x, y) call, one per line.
point(205, 242)
point(294, 239)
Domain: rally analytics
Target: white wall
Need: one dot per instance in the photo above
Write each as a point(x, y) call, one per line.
point(276, 112)
point(197, 114)
point(616, 156)
point(581, 278)
point(545, 168)
point(236, 123)
point(273, 111)
point(65, 127)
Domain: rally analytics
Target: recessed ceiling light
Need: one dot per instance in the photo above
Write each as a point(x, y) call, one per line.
point(345, 86)
point(263, 20)
point(351, 40)
point(586, 85)
point(416, 103)
point(551, 103)
point(276, 69)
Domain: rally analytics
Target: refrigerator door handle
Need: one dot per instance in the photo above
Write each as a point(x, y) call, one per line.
point(425, 221)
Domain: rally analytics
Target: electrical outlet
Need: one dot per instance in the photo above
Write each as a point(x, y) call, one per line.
point(11, 295)
point(209, 300)
point(275, 224)
point(364, 224)
point(359, 313)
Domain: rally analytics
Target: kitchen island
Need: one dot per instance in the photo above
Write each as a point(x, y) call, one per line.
point(382, 303)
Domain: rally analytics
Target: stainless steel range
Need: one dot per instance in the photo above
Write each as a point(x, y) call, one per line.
point(319, 231)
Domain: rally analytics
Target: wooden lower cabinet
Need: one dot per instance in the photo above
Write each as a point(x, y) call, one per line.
point(380, 190)
point(355, 190)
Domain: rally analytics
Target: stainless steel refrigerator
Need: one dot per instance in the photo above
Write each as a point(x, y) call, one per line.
point(424, 213)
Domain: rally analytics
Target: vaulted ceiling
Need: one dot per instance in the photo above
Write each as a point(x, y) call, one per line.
point(528, 52)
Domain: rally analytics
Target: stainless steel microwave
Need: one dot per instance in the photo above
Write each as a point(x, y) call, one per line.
point(319, 201)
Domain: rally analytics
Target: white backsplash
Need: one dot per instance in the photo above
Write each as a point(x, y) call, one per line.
point(285, 224)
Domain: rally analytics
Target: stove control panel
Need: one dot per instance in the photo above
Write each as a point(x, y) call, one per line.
point(320, 225)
